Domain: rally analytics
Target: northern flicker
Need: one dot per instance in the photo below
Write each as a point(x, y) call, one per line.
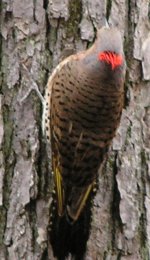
point(83, 105)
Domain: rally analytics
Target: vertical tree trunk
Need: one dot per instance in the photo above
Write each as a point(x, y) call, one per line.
point(35, 35)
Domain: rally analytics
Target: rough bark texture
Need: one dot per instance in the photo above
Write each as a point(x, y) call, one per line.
point(38, 34)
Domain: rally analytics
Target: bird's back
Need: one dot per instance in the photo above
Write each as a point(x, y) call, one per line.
point(84, 104)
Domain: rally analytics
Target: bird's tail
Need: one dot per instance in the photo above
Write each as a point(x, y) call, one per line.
point(77, 200)
point(70, 199)
point(70, 238)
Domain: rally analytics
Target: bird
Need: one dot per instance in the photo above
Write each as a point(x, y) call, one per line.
point(84, 98)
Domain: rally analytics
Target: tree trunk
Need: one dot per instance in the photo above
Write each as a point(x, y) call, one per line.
point(35, 35)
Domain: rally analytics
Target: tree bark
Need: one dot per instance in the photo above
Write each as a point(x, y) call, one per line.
point(35, 36)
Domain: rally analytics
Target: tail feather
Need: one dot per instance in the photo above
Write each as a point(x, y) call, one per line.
point(67, 237)
point(70, 198)
point(78, 202)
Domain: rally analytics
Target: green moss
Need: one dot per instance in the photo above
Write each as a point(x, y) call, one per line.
point(89, 44)
point(31, 211)
point(143, 158)
point(0, 52)
point(108, 8)
point(9, 165)
point(2, 224)
point(110, 162)
point(49, 61)
point(128, 136)
point(129, 132)
point(8, 132)
point(75, 11)
point(145, 254)
point(8, 154)
point(53, 35)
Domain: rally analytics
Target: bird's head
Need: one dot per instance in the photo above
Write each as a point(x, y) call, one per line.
point(109, 47)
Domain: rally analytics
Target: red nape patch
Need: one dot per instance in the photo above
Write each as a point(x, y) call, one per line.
point(111, 58)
